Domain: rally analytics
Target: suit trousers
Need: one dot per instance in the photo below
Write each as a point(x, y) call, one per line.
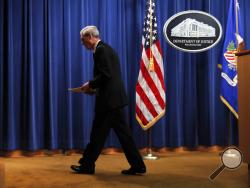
point(102, 124)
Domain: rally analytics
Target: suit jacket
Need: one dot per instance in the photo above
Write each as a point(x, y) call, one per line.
point(107, 79)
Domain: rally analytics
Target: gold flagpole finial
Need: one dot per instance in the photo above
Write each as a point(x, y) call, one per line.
point(151, 66)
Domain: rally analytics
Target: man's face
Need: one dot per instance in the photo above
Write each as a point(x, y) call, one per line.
point(86, 41)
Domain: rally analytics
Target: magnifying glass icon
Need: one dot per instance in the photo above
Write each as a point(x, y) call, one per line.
point(231, 159)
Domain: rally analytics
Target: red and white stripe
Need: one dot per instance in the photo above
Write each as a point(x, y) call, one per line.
point(230, 57)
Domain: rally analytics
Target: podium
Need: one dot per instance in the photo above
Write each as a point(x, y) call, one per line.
point(243, 68)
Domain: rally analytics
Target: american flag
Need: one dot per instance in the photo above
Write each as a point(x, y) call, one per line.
point(150, 88)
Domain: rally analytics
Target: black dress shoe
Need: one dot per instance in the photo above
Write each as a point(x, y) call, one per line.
point(82, 170)
point(134, 171)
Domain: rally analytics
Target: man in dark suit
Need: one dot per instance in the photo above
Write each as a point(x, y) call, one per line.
point(111, 98)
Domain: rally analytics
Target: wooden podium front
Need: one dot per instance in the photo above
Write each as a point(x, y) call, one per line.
point(243, 68)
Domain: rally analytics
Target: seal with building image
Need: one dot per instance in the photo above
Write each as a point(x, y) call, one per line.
point(192, 31)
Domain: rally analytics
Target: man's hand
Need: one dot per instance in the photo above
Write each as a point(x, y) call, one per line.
point(85, 88)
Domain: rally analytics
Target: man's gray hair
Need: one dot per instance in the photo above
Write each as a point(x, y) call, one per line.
point(90, 30)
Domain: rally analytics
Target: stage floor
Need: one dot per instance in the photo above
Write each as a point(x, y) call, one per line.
point(171, 170)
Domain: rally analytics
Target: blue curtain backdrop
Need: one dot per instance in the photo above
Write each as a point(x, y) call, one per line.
point(41, 57)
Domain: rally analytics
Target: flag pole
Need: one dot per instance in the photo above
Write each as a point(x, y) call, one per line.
point(229, 113)
point(236, 17)
point(229, 128)
point(151, 59)
point(149, 155)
